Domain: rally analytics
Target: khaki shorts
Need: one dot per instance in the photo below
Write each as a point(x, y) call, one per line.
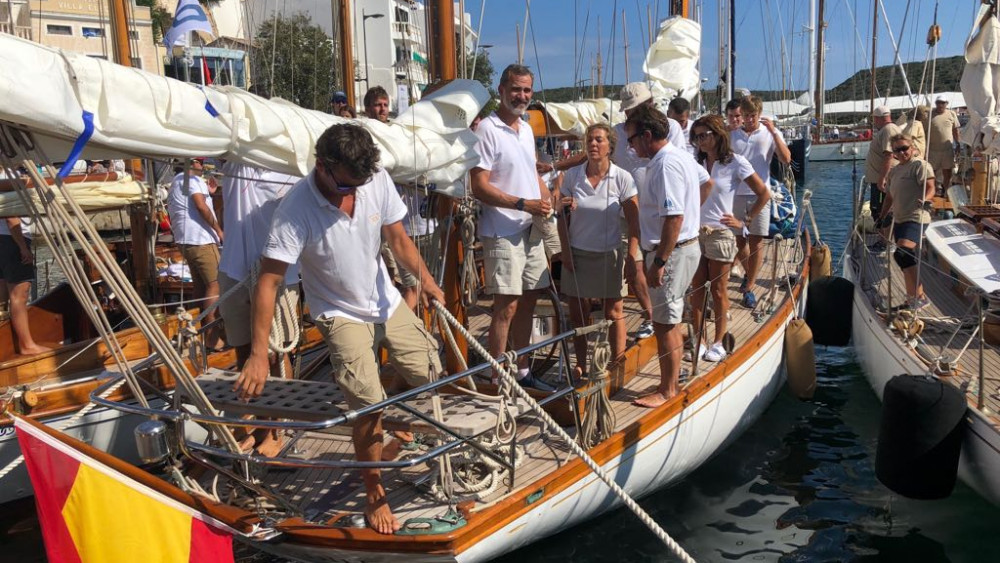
point(203, 260)
point(941, 159)
point(595, 275)
point(717, 244)
point(759, 225)
point(514, 264)
point(353, 345)
point(668, 299)
point(236, 309)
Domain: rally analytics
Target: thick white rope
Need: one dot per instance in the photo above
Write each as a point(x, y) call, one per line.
point(554, 427)
point(599, 420)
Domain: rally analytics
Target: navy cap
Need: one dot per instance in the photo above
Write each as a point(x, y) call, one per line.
point(339, 97)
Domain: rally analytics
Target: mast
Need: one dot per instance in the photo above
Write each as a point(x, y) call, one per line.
point(625, 38)
point(813, 53)
point(119, 31)
point(346, 50)
point(600, 81)
point(871, 103)
point(820, 93)
point(731, 82)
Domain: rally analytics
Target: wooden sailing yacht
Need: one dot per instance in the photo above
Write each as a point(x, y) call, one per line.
point(491, 472)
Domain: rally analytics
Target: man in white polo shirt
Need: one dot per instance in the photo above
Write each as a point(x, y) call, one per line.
point(332, 223)
point(198, 234)
point(508, 186)
point(758, 140)
point(676, 181)
point(633, 95)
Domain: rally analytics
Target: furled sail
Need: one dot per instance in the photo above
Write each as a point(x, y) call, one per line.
point(672, 60)
point(62, 96)
point(981, 83)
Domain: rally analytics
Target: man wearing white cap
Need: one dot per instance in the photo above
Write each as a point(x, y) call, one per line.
point(879, 160)
point(633, 96)
point(941, 141)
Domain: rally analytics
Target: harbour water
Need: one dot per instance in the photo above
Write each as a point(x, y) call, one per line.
point(799, 485)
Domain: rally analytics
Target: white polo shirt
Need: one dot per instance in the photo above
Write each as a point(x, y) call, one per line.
point(675, 181)
point(25, 227)
point(342, 273)
point(757, 147)
point(509, 156)
point(626, 157)
point(595, 224)
point(727, 179)
point(188, 226)
point(250, 196)
point(687, 138)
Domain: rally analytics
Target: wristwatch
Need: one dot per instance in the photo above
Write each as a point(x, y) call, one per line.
point(519, 205)
point(659, 262)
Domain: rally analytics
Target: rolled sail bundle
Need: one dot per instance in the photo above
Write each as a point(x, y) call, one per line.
point(89, 195)
point(64, 97)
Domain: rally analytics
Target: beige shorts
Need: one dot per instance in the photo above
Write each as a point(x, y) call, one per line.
point(717, 244)
point(941, 159)
point(759, 225)
point(668, 299)
point(236, 309)
point(203, 260)
point(353, 345)
point(514, 264)
point(595, 275)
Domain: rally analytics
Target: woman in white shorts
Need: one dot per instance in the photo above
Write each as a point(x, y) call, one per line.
point(718, 243)
point(593, 196)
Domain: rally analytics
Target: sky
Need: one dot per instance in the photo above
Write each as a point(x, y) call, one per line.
point(764, 30)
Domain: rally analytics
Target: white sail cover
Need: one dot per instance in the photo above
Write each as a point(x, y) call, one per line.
point(90, 196)
point(981, 83)
point(672, 60)
point(575, 117)
point(141, 114)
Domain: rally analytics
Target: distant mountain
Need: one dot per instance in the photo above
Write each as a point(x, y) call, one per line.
point(889, 80)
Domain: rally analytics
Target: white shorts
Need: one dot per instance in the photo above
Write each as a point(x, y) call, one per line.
point(668, 299)
point(514, 264)
point(759, 225)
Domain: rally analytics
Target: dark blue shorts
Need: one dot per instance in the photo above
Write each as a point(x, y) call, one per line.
point(910, 230)
point(11, 269)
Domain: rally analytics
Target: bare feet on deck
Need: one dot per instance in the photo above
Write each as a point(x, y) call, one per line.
point(653, 400)
point(34, 350)
point(378, 515)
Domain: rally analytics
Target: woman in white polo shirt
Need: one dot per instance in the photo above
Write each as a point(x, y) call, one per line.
point(716, 237)
point(593, 196)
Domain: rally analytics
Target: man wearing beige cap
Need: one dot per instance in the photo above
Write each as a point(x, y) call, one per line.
point(879, 160)
point(633, 96)
point(941, 141)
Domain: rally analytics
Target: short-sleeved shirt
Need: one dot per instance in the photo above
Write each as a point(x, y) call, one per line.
point(942, 128)
point(726, 178)
point(879, 151)
point(675, 180)
point(915, 129)
point(509, 156)
point(250, 196)
point(25, 227)
point(906, 184)
point(686, 132)
point(626, 157)
point(757, 147)
point(187, 225)
point(595, 224)
point(342, 273)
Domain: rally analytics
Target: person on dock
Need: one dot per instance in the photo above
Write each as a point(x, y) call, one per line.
point(511, 192)
point(593, 197)
point(633, 96)
point(676, 181)
point(17, 267)
point(198, 234)
point(716, 237)
point(758, 140)
point(910, 184)
point(879, 161)
point(347, 288)
point(942, 141)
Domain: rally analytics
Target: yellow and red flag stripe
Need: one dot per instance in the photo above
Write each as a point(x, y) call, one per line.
point(91, 513)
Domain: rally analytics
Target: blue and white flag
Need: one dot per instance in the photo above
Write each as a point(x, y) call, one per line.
point(188, 17)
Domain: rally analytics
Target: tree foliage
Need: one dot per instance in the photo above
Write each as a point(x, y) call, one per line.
point(484, 73)
point(293, 60)
point(161, 18)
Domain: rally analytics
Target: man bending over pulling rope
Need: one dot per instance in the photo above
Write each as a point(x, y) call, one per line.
point(331, 223)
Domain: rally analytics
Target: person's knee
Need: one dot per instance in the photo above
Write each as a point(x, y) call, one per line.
point(904, 257)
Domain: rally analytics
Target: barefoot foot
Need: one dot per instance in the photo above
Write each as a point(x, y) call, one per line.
point(652, 400)
point(34, 350)
point(378, 515)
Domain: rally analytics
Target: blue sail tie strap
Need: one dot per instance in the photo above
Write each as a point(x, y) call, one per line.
point(81, 141)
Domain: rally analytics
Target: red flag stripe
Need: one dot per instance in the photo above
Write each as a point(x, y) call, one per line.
point(209, 545)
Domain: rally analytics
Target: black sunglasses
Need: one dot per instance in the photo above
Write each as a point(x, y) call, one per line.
point(900, 149)
point(632, 138)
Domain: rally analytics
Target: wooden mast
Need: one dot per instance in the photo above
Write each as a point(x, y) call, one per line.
point(346, 51)
point(820, 67)
point(443, 68)
point(119, 33)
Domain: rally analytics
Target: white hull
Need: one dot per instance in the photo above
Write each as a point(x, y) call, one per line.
point(105, 429)
point(883, 356)
point(844, 151)
point(664, 457)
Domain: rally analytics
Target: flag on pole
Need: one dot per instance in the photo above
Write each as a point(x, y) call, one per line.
point(188, 17)
point(90, 512)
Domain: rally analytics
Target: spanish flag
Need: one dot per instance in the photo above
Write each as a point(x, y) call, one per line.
point(92, 513)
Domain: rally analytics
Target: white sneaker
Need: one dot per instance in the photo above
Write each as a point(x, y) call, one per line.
point(701, 353)
point(715, 354)
point(645, 330)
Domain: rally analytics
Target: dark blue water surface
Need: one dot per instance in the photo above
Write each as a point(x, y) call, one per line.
point(800, 484)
